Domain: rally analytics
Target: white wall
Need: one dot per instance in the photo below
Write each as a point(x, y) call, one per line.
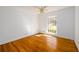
point(77, 26)
point(16, 22)
point(65, 22)
point(43, 23)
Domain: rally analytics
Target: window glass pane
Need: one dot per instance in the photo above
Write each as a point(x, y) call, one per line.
point(52, 26)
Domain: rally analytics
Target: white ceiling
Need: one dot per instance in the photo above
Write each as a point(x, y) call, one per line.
point(55, 8)
point(47, 9)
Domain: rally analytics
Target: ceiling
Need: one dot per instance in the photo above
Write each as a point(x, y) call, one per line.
point(55, 8)
point(46, 10)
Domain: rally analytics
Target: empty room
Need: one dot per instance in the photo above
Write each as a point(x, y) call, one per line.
point(39, 29)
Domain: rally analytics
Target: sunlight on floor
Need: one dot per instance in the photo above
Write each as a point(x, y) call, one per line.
point(51, 41)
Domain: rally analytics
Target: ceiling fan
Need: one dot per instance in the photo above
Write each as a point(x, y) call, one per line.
point(41, 9)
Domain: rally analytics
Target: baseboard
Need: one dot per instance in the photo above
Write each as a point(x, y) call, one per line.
point(77, 44)
point(20, 37)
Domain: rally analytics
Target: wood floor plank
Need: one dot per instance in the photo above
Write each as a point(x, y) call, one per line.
point(40, 43)
point(12, 48)
point(0, 48)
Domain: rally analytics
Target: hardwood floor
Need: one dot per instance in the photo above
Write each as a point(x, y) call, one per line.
point(40, 43)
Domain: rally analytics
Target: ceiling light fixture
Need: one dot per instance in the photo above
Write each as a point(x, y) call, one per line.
point(41, 9)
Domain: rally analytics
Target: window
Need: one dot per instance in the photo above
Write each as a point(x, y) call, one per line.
point(52, 28)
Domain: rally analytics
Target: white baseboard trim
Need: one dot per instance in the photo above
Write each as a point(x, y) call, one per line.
point(10, 40)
